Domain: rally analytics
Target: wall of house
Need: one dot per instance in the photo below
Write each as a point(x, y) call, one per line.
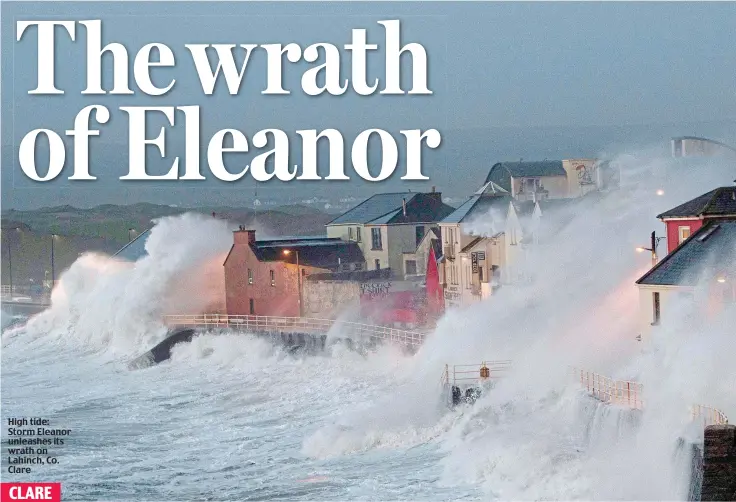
point(372, 254)
point(557, 186)
point(281, 299)
point(673, 230)
point(421, 255)
point(582, 176)
point(329, 299)
point(333, 299)
point(668, 305)
point(401, 239)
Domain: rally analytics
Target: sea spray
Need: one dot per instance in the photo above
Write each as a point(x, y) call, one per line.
point(104, 303)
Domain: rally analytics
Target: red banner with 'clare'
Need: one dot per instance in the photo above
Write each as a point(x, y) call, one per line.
point(30, 491)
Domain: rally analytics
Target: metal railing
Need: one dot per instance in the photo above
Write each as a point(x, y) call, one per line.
point(628, 393)
point(709, 416)
point(608, 390)
point(296, 324)
point(469, 373)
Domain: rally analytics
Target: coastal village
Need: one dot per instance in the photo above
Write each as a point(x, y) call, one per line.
point(402, 259)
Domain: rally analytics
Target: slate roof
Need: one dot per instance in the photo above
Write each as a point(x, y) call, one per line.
point(478, 205)
point(697, 138)
point(713, 245)
point(718, 202)
point(135, 249)
point(502, 172)
point(320, 252)
point(387, 208)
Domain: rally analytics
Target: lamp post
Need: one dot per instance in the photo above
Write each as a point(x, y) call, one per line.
point(10, 269)
point(53, 270)
point(287, 252)
point(130, 234)
point(654, 242)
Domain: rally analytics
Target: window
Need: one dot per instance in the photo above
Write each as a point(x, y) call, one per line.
point(480, 274)
point(411, 267)
point(376, 238)
point(273, 278)
point(657, 309)
point(350, 233)
point(358, 237)
point(250, 276)
point(252, 307)
point(684, 233)
point(378, 264)
point(419, 234)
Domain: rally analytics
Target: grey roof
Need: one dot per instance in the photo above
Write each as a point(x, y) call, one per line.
point(321, 252)
point(135, 249)
point(502, 172)
point(387, 208)
point(718, 202)
point(697, 138)
point(476, 205)
point(713, 245)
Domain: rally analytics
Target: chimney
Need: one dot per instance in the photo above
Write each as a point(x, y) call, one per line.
point(433, 189)
point(403, 205)
point(242, 236)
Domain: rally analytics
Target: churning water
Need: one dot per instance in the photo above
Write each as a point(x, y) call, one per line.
point(232, 417)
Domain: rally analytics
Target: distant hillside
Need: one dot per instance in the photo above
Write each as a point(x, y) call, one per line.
point(27, 234)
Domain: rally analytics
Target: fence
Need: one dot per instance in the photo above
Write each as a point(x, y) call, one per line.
point(608, 390)
point(473, 373)
point(709, 416)
point(296, 324)
point(629, 394)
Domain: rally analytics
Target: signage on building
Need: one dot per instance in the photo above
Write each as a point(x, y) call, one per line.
point(474, 262)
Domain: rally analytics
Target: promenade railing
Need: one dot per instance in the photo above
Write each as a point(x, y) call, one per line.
point(297, 325)
point(608, 390)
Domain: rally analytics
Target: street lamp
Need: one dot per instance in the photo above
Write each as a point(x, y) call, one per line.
point(287, 252)
point(10, 263)
point(654, 242)
point(53, 270)
point(130, 234)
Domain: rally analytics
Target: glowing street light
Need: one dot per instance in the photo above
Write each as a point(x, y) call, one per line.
point(721, 280)
point(655, 241)
point(660, 192)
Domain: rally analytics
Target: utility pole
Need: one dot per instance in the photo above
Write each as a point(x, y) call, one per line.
point(299, 282)
point(10, 269)
point(53, 271)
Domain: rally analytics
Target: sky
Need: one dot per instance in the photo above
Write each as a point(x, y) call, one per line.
point(510, 80)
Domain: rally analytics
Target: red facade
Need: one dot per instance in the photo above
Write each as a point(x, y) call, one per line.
point(676, 228)
point(249, 287)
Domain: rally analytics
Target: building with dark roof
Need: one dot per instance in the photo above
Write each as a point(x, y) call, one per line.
point(705, 264)
point(267, 277)
point(685, 219)
point(387, 225)
point(553, 179)
point(694, 146)
point(701, 235)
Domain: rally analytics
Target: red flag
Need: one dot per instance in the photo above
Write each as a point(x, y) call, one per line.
point(435, 299)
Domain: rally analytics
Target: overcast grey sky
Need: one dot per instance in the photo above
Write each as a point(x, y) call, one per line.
point(503, 68)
